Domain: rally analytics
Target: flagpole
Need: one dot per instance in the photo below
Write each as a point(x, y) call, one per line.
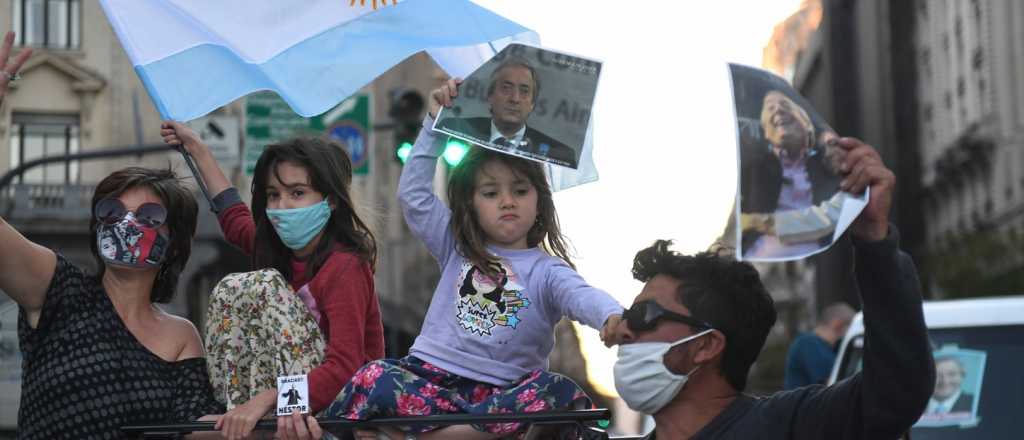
point(195, 174)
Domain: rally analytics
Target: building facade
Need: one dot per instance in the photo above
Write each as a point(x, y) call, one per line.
point(934, 85)
point(970, 59)
point(857, 70)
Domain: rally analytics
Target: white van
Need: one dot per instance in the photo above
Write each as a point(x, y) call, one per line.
point(978, 345)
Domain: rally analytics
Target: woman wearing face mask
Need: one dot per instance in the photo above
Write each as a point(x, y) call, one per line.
point(98, 353)
point(312, 308)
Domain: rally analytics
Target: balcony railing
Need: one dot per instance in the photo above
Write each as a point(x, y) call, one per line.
point(27, 202)
point(58, 202)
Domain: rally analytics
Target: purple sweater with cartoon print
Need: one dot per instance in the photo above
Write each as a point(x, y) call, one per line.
point(491, 332)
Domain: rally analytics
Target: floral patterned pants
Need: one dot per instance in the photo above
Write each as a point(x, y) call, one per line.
point(410, 386)
point(257, 328)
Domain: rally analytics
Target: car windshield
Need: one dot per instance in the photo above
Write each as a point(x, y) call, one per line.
point(979, 388)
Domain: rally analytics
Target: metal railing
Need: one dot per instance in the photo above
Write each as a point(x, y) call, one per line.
point(60, 201)
point(104, 153)
point(342, 427)
point(49, 201)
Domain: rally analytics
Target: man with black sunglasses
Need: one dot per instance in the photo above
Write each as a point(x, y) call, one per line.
point(699, 323)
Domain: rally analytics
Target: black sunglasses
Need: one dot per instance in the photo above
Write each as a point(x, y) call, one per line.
point(110, 211)
point(644, 316)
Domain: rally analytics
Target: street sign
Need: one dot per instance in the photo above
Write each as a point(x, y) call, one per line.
point(268, 119)
point(222, 135)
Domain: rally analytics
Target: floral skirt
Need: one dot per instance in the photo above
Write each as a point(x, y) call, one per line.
point(411, 387)
point(257, 329)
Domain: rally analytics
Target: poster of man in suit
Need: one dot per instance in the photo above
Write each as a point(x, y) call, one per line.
point(526, 101)
point(959, 374)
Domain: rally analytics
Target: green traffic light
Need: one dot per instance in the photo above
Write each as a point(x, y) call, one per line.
point(454, 151)
point(403, 151)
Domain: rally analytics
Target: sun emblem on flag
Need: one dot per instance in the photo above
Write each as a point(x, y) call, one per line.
point(373, 2)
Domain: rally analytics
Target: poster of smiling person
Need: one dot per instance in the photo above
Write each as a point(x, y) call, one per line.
point(788, 202)
point(526, 101)
point(959, 374)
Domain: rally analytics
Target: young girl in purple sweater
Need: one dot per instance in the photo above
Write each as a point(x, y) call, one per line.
point(506, 280)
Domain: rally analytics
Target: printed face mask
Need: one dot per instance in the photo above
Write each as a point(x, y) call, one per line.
point(643, 380)
point(297, 227)
point(130, 243)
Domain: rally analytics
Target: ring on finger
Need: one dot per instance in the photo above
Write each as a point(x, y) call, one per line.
point(10, 77)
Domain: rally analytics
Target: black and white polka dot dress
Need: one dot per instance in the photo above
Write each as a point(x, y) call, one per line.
point(85, 374)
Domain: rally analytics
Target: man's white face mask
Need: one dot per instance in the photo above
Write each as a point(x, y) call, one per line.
point(641, 377)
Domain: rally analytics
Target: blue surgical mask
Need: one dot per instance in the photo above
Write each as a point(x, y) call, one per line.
point(298, 226)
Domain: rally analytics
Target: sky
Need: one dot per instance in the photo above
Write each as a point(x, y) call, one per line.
point(664, 134)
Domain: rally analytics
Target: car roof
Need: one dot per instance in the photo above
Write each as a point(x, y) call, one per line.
point(977, 312)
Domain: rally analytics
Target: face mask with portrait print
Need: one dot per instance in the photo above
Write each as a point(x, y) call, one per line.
point(131, 244)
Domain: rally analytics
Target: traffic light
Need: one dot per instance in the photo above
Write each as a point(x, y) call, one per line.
point(403, 151)
point(454, 151)
point(407, 112)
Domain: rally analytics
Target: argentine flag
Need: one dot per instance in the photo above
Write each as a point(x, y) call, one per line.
point(194, 56)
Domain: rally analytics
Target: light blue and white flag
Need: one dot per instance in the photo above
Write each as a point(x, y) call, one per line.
point(196, 55)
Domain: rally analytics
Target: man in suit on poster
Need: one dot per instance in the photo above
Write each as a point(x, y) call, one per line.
point(949, 397)
point(512, 94)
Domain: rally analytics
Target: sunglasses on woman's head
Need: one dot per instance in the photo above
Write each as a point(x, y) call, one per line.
point(111, 211)
point(644, 316)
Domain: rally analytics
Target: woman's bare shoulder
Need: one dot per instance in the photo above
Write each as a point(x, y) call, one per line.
point(183, 334)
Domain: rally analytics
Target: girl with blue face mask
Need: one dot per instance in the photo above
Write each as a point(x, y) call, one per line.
point(311, 308)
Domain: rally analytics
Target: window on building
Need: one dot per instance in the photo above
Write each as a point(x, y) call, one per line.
point(958, 31)
point(53, 24)
point(34, 136)
point(926, 62)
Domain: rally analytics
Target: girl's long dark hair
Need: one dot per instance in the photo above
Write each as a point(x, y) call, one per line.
point(182, 216)
point(470, 237)
point(330, 173)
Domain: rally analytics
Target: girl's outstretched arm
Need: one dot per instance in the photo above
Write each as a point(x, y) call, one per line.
point(574, 298)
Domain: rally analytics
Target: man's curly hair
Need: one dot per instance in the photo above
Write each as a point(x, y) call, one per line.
point(721, 291)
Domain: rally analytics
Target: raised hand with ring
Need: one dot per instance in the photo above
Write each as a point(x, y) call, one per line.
point(9, 69)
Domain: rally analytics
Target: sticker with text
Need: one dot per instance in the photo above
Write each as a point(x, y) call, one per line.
point(292, 394)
